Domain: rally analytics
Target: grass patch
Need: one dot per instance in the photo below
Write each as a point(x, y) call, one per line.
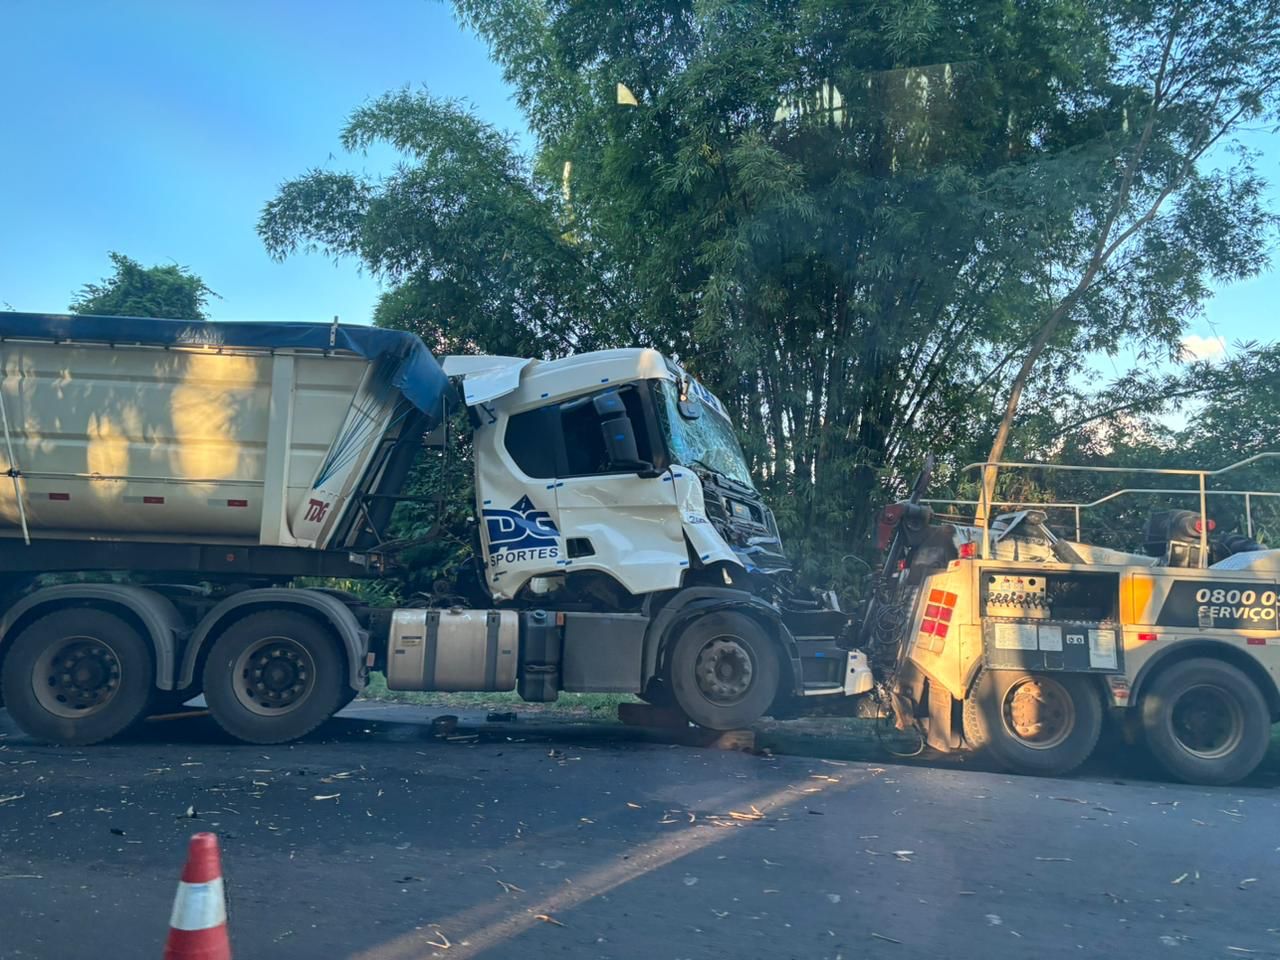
point(593, 704)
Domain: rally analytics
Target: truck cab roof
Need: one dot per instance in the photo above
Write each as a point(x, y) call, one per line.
point(489, 377)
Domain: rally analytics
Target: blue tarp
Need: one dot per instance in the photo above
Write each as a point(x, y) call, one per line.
point(418, 376)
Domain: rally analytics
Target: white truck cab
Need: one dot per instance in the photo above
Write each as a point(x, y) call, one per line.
point(615, 462)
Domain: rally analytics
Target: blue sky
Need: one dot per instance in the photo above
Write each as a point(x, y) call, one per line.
point(160, 128)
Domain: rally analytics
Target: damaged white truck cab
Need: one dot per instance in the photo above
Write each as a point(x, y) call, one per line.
point(596, 463)
point(611, 490)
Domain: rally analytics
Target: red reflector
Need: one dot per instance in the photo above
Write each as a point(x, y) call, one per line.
point(59, 496)
point(237, 503)
point(940, 630)
point(945, 614)
point(1257, 642)
point(929, 626)
point(932, 610)
point(1148, 637)
point(949, 599)
point(935, 596)
point(153, 499)
point(968, 550)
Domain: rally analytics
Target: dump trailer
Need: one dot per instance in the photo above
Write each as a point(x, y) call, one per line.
point(1010, 639)
point(167, 483)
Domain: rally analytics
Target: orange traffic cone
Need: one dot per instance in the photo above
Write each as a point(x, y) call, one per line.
point(198, 924)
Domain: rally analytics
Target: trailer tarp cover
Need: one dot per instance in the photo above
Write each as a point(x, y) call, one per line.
point(418, 376)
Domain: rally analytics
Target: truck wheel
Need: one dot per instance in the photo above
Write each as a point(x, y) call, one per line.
point(1044, 724)
point(78, 676)
point(273, 677)
point(723, 671)
point(1205, 721)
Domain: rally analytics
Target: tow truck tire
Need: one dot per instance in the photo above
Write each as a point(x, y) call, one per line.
point(1043, 724)
point(723, 671)
point(273, 677)
point(77, 677)
point(1205, 721)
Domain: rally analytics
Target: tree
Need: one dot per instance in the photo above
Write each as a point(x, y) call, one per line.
point(1192, 75)
point(169, 291)
point(850, 220)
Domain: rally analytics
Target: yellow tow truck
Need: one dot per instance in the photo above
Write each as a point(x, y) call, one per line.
point(1007, 638)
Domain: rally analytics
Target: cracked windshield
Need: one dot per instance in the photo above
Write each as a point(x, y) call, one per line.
point(349, 609)
point(700, 437)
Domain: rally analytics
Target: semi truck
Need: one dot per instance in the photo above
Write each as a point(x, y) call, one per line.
point(168, 483)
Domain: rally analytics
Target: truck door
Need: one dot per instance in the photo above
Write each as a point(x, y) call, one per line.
point(616, 502)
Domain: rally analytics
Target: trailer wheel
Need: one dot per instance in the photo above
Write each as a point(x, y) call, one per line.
point(273, 677)
point(1043, 724)
point(77, 677)
point(723, 671)
point(1205, 721)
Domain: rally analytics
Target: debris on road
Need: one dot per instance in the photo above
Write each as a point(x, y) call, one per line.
point(881, 936)
point(547, 918)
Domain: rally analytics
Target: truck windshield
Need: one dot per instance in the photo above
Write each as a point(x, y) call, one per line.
point(708, 441)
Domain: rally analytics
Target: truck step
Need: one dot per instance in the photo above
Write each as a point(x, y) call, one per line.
point(818, 688)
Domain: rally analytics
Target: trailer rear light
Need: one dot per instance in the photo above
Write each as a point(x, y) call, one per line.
point(59, 496)
point(968, 550)
point(153, 499)
point(940, 629)
point(237, 503)
point(1256, 642)
point(1148, 637)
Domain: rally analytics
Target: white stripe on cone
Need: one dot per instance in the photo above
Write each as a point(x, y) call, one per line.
point(199, 906)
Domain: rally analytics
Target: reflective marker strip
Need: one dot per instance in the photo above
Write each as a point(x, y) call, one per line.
point(199, 906)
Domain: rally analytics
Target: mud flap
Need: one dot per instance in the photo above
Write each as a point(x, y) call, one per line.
point(941, 733)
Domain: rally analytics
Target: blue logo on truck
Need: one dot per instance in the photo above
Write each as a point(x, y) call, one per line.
point(522, 533)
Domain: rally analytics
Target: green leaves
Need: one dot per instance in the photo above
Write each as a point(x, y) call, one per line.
point(169, 291)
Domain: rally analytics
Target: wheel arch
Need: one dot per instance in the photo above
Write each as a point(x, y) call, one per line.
point(151, 613)
point(320, 606)
point(668, 622)
point(1214, 649)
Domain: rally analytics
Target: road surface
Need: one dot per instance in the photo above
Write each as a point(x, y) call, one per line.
point(378, 840)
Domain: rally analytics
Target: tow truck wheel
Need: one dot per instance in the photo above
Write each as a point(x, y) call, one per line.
point(1205, 721)
point(78, 676)
point(723, 671)
point(273, 677)
point(1038, 723)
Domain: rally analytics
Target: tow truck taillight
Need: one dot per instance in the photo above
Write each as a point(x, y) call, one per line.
point(1199, 526)
point(1148, 637)
point(968, 550)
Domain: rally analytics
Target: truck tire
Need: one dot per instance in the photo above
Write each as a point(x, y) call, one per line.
point(273, 677)
point(77, 677)
point(723, 671)
point(1205, 721)
point(1044, 724)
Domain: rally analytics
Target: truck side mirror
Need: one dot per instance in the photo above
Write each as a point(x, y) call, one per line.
point(619, 435)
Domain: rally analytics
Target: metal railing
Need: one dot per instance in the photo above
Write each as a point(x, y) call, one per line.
point(1202, 477)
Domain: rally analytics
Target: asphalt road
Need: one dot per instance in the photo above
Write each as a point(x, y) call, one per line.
point(376, 840)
